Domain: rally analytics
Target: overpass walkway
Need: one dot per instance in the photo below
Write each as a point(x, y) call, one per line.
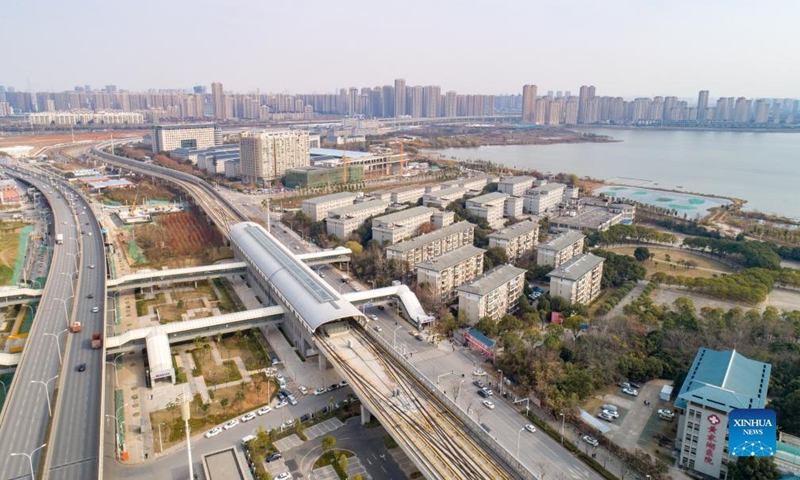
point(411, 306)
point(188, 274)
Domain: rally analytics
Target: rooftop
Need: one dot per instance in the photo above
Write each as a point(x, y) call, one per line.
point(725, 380)
point(451, 259)
point(516, 230)
point(577, 266)
point(332, 152)
point(562, 241)
point(487, 198)
point(430, 237)
point(409, 188)
point(491, 280)
point(398, 217)
point(330, 198)
point(185, 126)
point(588, 217)
point(518, 179)
point(356, 208)
point(547, 188)
point(447, 192)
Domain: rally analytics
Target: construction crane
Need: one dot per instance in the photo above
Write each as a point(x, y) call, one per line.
point(402, 159)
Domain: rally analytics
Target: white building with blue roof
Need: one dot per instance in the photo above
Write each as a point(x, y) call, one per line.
point(717, 383)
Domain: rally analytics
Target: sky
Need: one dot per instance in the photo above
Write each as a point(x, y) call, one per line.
point(624, 47)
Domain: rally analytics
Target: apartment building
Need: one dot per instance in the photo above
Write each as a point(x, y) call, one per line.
point(443, 198)
point(451, 270)
point(167, 138)
point(345, 220)
point(433, 244)
point(514, 207)
point(410, 194)
point(318, 208)
point(518, 240)
point(515, 186)
point(493, 294)
point(558, 250)
point(542, 199)
point(717, 383)
point(578, 279)
point(404, 224)
point(266, 155)
point(490, 206)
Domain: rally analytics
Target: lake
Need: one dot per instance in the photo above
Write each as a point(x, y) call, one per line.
point(760, 167)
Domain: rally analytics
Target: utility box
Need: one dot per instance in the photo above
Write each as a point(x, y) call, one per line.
point(666, 393)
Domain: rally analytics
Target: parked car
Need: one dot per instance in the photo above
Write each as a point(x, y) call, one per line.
point(488, 391)
point(248, 416)
point(288, 423)
point(343, 383)
point(479, 372)
point(305, 417)
point(590, 440)
point(630, 391)
point(634, 385)
point(213, 432)
point(263, 410)
point(624, 384)
point(231, 424)
point(612, 413)
point(609, 406)
point(283, 476)
point(274, 456)
point(291, 399)
point(482, 393)
point(319, 391)
point(478, 383)
point(488, 404)
point(377, 328)
point(333, 387)
point(604, 415)
point(281, 404)
point(303, 390)
point(665, 412)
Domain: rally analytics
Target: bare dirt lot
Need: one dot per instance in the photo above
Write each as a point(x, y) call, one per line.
point(45, 140)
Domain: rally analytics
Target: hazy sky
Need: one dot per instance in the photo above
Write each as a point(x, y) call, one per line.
point(623, 47)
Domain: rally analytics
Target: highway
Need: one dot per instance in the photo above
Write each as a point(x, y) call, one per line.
point(25, 418)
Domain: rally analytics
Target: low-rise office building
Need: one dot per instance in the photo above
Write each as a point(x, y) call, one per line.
point(515, 186)
point(443, 198)
point(578, 279)
point(558, 250)
point(541, 200)
point(343, 221)
point(318, 177)
point(400, 225)
point(433, 244)
point(317, 208)
point(588, 217)
point(167, 138)
point(490, 206)
point(447, 272)
point(493, 294)
point(410, 194)
point(717, 383)
point(518, 240)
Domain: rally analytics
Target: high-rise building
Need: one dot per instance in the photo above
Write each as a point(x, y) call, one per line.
point(399, 97)
point(450, 104)
point(431, 95)
point(742, 110)
point(415, 101)
point(266, 155)
point(219, 100)
point(585, 97)
point(702, 105)
point(388, 101)
point(528, 103)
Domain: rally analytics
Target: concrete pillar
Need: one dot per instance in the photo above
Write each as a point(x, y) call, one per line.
point(365, 415)
point(323, 362)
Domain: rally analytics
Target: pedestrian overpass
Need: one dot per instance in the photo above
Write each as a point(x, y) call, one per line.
point(406, 299)
point(15, 295)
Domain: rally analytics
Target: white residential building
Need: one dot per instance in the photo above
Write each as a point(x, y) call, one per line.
point(317, 208)
point(443, 198)
point(578, 279)
point(515, 186)
point(541, 200)
point(493, 294)
point(447, 272)
point(514, 207)
point(433, 244)
point(490, 206)
point(404, 224)
point(410, 194)
point(558, 250)
point(266, 155)
point(167, 138)
point(343, 221)
point(518, 240)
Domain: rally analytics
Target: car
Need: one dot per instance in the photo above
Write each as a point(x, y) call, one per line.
point(95, 309)
point(343, 383)
point(263, 410)
point(91, 295)
point(321, 275)
point(333, 387)
point(90, 234)
point(248, 416)
point(64, 222)
point(479, 373)
point(377, 328)
point(624, 384)
point(482, 393)
point(281, 404)
point(609, 406)
point(319, 391)
point(373, 317)
point(488, 404)
point(291, 399)
point(665, 414)
point(81, 367)
point(612, 413)
point(381, 308)
point(488, 391)
point(604, 415)
point(282, 382)
point(231, 424)
point(275, 359)
point(283, 476)
point(305, 417)
point(297, 247)
point(478, 383)
point(281, 395)
point(630, 391)
point(303, 390)
point(274, 456)
point(288, 423)
point(91, 266)
point(634, 385)
point(590, 440)
point(213, 432)
point(530, 428)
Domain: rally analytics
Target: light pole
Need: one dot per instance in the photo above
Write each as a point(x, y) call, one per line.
point(5, 390)
point(458, 391)
point(58, 344)
point(30, 459)
point(443, 375)
point(394, 336)
point(74, 257)
point(114, 362)
point(116, 439)
point(519, 436)
point(71, 286)
point(64, 302)
point(501, 380)
point(562, 428)
point(119, 429)
point(46, 392)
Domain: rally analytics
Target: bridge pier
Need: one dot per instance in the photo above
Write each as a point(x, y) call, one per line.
point(365, 415)
point(323, 362)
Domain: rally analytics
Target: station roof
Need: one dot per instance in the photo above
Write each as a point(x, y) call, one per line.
point(310, 298)
point(158, 351)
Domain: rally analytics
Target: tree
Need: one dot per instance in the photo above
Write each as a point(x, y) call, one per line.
point(641, 254)
point(354, 246)
point(328, 443)
point(753, 468)
point(341, 459)
point(497, 256)
point(574, 323)
point(487, 326)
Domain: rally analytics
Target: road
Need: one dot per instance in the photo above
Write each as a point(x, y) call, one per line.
point(26, 416)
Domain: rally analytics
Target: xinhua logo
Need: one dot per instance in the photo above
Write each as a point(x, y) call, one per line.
point(752, 432)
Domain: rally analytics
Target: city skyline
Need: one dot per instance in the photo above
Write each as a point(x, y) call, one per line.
point(628, 49)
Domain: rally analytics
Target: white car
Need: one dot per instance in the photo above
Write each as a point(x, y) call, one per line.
point(630, 391)
point(665, 412)
point(283, 476)
point(604, 415)
point(530, 428)
point(319, 391)
point(590, 440)
point(612, 413)
point(479, 373)
point(488, 404)
point(377, 328)
point(303, 390)
point(264, 410)
point(231, 424)
point(287, 424)
point(248, 416)
point(291, 399)
point(281, 404)
point(373, 317)
point(95, 309)
point(343, 383)
point(213, 432)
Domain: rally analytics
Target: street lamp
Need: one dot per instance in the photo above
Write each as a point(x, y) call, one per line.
point(443, 375)
point(5, 390)
point(58, 344)
point(519, 436)
point(501, 380)
point(74, 255)
point(46, 392)
point(114, 362)
point(64, 302)
point(71, 286)
point(562, 428)
point(30, 458)
point(394, 336)
point(119, 429)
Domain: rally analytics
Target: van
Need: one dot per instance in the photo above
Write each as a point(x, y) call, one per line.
point(247, 439)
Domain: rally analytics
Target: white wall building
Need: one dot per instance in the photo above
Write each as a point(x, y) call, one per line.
point(433, 244)
point(493, 294)
point(410, 194)
point(167, 138)
point(404, 224)
point(490, 206)
point(447, 272)
point(443, 198)
point(266, 155)
point(317, 208)
point(345, 220)
point(515, 186)
point(541, 200)
point(578, 279)
point(518, 240)
point(558, 250)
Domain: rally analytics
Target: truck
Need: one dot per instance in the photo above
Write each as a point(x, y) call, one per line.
point(77, 327)
point(59, 238)
point(97, 340)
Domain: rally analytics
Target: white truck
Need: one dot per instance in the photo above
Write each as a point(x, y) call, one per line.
point(60, 238)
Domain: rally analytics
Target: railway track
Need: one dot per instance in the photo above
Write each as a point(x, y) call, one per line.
point(419, 416)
